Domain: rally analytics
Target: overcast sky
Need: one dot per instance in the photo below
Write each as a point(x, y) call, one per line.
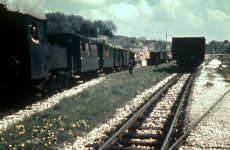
point(148, 18)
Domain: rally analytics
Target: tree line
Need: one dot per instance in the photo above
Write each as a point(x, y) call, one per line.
point(77, 24)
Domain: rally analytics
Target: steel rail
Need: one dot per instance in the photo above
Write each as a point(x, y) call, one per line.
point(176, 144)
point(166, 141)
point(114, 138)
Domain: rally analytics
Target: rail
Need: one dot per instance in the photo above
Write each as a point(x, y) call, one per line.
point(115, 136)
point(177, 143)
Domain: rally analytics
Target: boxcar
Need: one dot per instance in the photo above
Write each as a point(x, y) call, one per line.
point(161, 56)
point(189, 52)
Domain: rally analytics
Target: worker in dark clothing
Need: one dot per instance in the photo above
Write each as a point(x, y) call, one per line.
point(156, 62)
point(131, 65)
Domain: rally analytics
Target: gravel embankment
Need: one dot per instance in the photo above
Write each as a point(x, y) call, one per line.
point(45, 104)
point(213, 132)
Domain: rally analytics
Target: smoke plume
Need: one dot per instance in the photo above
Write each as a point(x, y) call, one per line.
point(32, 7)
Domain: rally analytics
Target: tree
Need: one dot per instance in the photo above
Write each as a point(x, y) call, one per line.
point(213, 45)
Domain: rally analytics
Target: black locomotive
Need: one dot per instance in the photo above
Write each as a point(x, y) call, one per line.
point(188, 52)
point(33, 59)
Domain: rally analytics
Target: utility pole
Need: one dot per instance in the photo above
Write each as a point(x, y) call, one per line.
point(166, 38)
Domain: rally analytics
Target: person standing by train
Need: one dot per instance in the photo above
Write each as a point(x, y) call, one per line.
point(156, 62)
point(131, 66)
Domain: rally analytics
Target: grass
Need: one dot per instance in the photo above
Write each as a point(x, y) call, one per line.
point(77, 115)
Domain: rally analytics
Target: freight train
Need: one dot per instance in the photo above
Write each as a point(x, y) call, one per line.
point(188, 52)
point(33, 59)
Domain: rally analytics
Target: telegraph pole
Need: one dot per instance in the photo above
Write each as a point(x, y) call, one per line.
point(166, 38)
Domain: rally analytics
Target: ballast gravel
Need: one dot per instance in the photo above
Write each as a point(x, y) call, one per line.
point(213, 132)
point(97, 134)
point(45, 104)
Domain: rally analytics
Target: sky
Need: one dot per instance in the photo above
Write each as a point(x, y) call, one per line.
point(144, 18)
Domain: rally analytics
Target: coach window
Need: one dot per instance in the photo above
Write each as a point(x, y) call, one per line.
point(111, 52)
point(34, 32)
point(90, 48)
point(106, 52)
point(94, 50)
point(87, 48)
point(83, 49)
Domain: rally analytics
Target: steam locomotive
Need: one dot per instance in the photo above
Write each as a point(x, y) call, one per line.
point(33, 59)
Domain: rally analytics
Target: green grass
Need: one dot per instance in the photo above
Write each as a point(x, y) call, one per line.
point(77, 115)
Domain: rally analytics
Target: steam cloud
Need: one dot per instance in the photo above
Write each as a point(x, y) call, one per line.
point(32, 7)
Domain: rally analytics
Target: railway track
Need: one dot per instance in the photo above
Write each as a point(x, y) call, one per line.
point(179, 141)
point(152, 126)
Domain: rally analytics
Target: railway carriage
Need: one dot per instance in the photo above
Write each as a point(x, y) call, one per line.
point(106, 56)
point(125, 59)
point(82, 53)
point(118, 53)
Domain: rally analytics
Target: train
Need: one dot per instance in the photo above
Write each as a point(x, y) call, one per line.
point(188, 52)
point(33, 58)
point(157, 58)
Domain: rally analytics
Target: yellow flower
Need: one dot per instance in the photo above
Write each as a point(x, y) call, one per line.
point(44, 139)
point(10, 145)
point(36, 117)
point(52, 135)
point(45, 144)
point(5, 142)
point(45, 127)
point(54, 119)
point(62, 129)
point(49, 142)
point(23, 145)
point(51, 125)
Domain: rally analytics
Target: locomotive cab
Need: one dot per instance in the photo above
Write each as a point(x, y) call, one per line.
point(24, 50)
